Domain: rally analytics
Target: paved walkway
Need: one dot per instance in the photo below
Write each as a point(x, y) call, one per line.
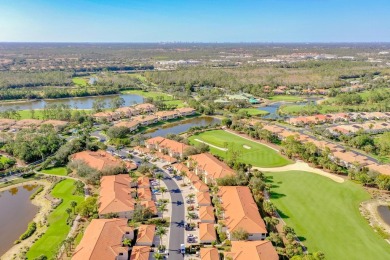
point(302, 166)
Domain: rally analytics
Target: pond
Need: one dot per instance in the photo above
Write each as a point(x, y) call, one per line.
point(183, 125)
point(15, 214)
point(273, 108)
point(384, 213)
point(79, 102)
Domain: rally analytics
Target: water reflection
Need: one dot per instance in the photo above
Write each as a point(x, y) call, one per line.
point(183, 126)
point(16, 211)
point(79, 103)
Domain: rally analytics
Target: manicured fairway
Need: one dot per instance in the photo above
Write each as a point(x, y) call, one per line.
point(285, 98)
point(326, 214)
point(254, 111)
point(58, 229)
point(258, 154)
point(61, 171)
point(169, 100)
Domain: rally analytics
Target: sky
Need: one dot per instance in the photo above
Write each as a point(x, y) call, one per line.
point(194, 21)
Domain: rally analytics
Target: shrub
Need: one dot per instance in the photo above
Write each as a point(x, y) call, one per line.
point(30, 230)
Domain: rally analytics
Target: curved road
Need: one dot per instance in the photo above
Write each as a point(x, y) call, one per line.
point(176, 229)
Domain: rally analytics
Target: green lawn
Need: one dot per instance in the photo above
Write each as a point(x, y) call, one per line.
point(258, 154)
point(254, 111)
point(49, 243)
point(82, 82)
point(168, 99)
point(286, 98)
point(60, 171)
point(325, 214)
point(26, 114)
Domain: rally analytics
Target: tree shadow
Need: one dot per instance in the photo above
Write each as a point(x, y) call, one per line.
point(276, 195)
point(281, 214)
point(301, 238)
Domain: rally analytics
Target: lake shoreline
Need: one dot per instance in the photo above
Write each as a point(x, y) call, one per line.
point(44, 207)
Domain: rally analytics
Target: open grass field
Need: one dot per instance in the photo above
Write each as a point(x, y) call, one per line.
point(325, 214)
point(49, 243)
point(60, 171)
point(82, 82)
point(254, 111)
point(257, 154)
point(286, 98)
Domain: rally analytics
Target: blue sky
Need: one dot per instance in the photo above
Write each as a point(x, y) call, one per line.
point(195, 21)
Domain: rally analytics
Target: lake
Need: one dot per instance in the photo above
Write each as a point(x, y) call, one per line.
point(182, 126)
point(79, 102)
point(384, 213)
point(273, 108)
point(15, 214)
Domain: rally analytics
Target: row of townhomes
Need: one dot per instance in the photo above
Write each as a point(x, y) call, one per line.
point(240, 211)
point(141, 115)
point(15, 125)
point(338, 154)
point(121, 194)
point(372, 127)
point(338, 117)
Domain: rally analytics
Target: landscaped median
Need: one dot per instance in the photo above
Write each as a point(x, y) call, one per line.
point(325, 215)
point(49, 243)
point(228, 146)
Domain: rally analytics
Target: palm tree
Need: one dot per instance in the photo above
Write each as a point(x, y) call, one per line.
point(158, 256)
point(190, 216)
point(191, 197)
point(159, 177)
point(163, 190)
point(182, 175)
point(162, 207)
point(73, 204)
point(68, 210)
point(160, 232)
point(126, 242)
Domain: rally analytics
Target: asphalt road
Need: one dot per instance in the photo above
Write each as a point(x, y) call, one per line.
point(176, 230)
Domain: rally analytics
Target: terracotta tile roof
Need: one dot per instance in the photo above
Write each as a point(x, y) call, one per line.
point(203, 197)
point(150, 204)
point(185, 110)
point(98, 160)
point(55, 123)
point(128, 124)
point(145, 118)
point(200, 186)
point(145, 106)
point(240, 210)
point(115, 194)
point(254, 250)
point(209, 253)
point(146, 234)
point(206, 213)
point(171, 145)
point(348, 157)
point(143, 181)
point(173, 113)
point(102, 240)
point(212, 166)
point(380, 168)
point(144, 194)
point(140, 253)
point(181, 167)
point(207, 232)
